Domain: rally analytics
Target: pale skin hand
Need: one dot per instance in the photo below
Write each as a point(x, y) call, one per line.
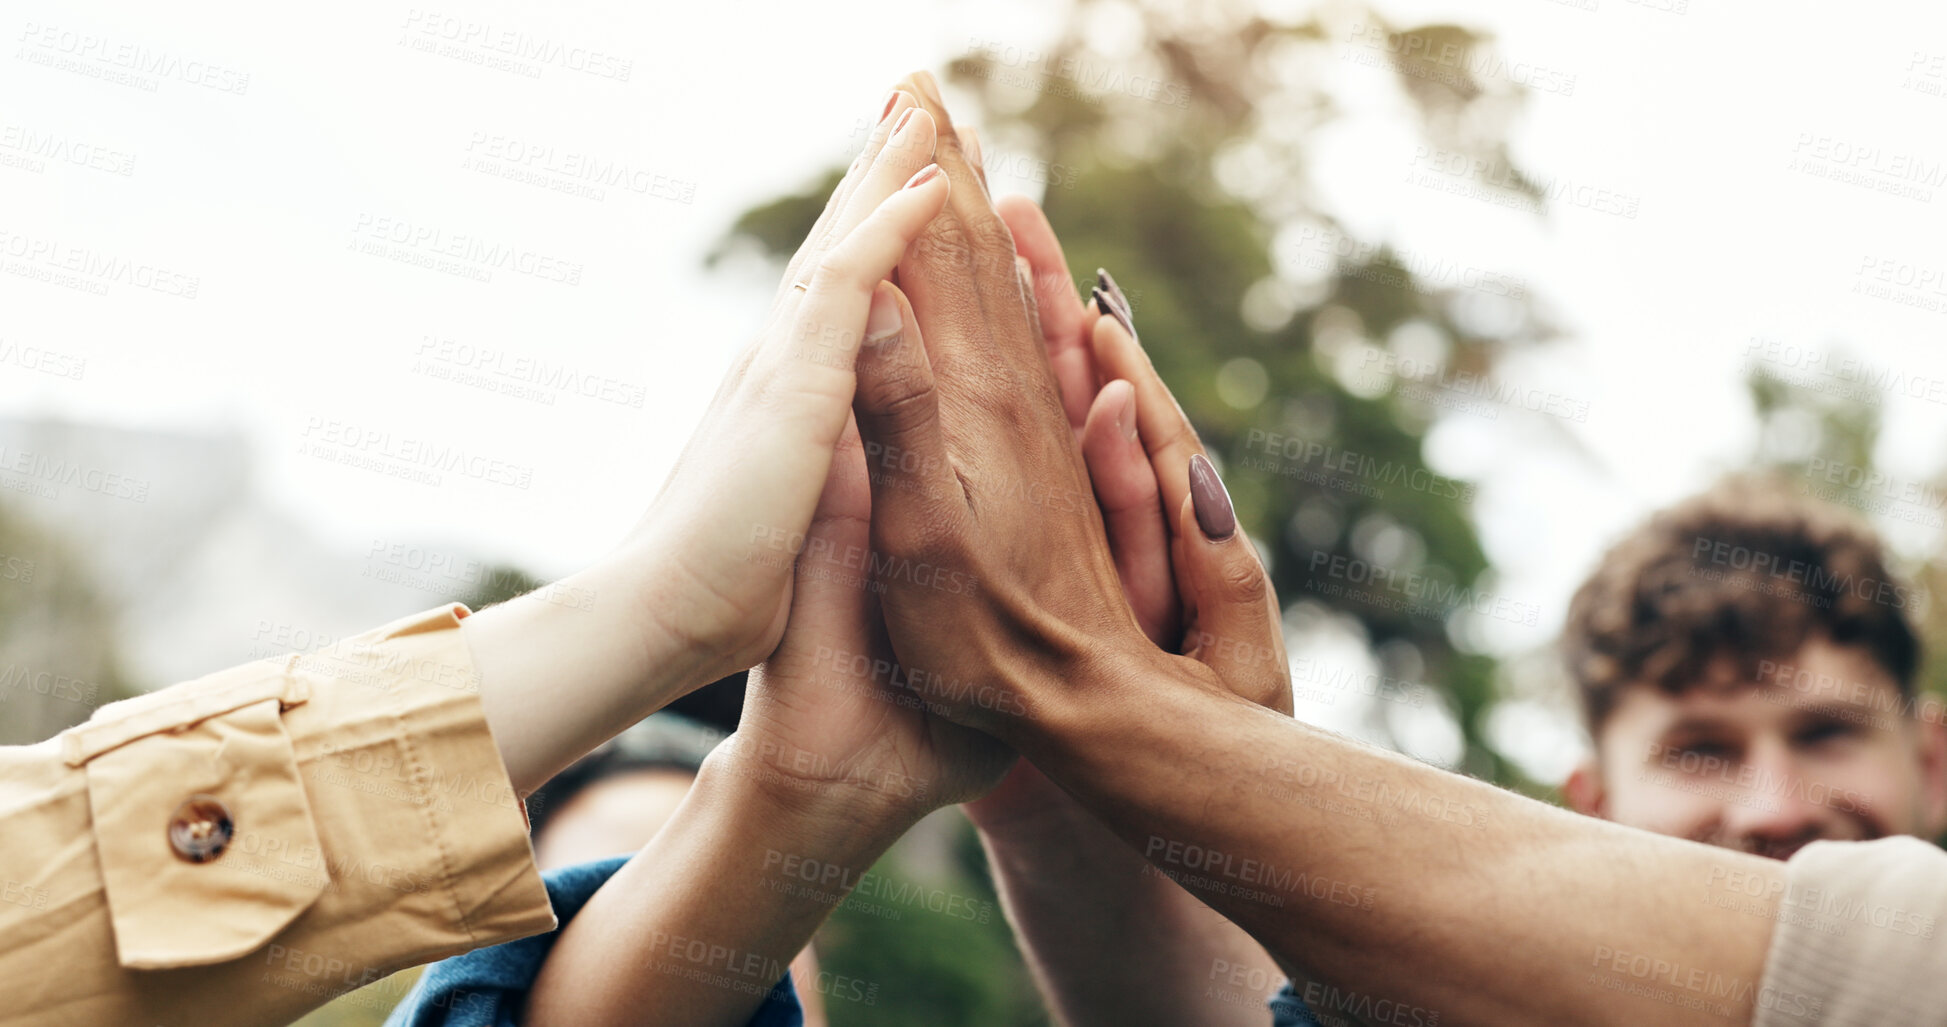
point(701, 586)
point(1518, 920)
point(833, 760)
point(831, 764)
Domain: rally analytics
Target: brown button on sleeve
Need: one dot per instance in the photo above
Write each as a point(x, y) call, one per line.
point(201, 829)
point(187, 884)
point(370, 825)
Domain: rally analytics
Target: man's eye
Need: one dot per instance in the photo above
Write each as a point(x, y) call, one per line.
point(1711, 750)
point(1826, 731)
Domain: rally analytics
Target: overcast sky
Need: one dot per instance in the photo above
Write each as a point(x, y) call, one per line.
point(283, 224)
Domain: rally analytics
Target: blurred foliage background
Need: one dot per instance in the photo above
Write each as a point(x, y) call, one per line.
point(1265, 313)
point(1261, 310)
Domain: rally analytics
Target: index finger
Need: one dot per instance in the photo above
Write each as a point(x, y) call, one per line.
point(826, 231)
point(1166, 432)
point(1066, 322)
point(967, 251)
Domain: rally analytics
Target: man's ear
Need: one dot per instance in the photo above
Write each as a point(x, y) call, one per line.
point(1933, 767)
point(1584, 790)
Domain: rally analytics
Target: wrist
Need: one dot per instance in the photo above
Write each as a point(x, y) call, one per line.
point(1026, 808)
point(845, 820)
point(678, 648)
point(1100, 697)
point(561, 669)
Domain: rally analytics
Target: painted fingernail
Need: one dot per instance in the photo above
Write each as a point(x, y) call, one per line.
point(1110, 307)
point(1125, 414)
point(892, 100)
point(1115, 291)
point(882, 325)
point(923, 176)
point(1214, 513)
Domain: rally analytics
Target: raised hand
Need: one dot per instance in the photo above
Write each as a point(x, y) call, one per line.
point(1163, 563)
point(735, 508)
point(701, 586)
point(993, 485)
point(990, 484)
point(1071, 887)
point(831, 718)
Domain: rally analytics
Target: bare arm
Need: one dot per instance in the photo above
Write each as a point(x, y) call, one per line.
point(1505, 909)
point(1538, 916)
point(699, 926)
point(1110, 940)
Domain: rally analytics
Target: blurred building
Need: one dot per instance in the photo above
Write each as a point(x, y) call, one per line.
point(133, 559)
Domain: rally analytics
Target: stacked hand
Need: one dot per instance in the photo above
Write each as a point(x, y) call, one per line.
point(736, 507)
point(992, 485)
point(918, 582)
point(1045, 564)
point(835, 704)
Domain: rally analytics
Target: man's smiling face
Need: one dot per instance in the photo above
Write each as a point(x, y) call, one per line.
point(1826, 749)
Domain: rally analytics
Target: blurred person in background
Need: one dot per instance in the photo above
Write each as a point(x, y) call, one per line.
point(1746, 666)
point(615, 799)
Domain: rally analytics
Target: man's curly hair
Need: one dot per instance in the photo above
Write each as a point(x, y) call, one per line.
point(1745, 572)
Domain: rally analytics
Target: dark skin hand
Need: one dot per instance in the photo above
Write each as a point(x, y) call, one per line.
point(976, 414)
point(1507, 910)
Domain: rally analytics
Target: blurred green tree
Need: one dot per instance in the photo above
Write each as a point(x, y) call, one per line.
point(1821, 431)
point(1260, 308)
point(57, 636)
point(1181, 161)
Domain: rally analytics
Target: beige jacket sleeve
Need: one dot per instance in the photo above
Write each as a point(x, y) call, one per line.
point(1858, 938)
point(241, 848)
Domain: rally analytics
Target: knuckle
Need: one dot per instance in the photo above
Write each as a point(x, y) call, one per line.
point(1240, 581)
point(832, 270)
point(927, 538)
point(944, 242)
point(994, 243)
point(909, 407)
point(902, 400)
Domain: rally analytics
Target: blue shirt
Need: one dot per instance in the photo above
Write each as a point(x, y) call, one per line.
point(1288, 1010)
point(487, 987)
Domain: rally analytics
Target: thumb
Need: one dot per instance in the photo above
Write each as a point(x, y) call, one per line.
point(898, 414)
point(1231, 621)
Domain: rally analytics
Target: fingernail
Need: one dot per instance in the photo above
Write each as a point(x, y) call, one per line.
point(1125, 414)
point(883, 324)
point(897, 138)
point(1114, 290)
point(970, 140)
point(1110, 307)
point(891, 99)
point(923, 176)
point(924, 80)
point(1214, 513)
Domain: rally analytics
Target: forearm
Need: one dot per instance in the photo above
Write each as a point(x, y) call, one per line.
point(564, 668)
point(1352, 863)
point(1109, 939)
point(703, 922)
